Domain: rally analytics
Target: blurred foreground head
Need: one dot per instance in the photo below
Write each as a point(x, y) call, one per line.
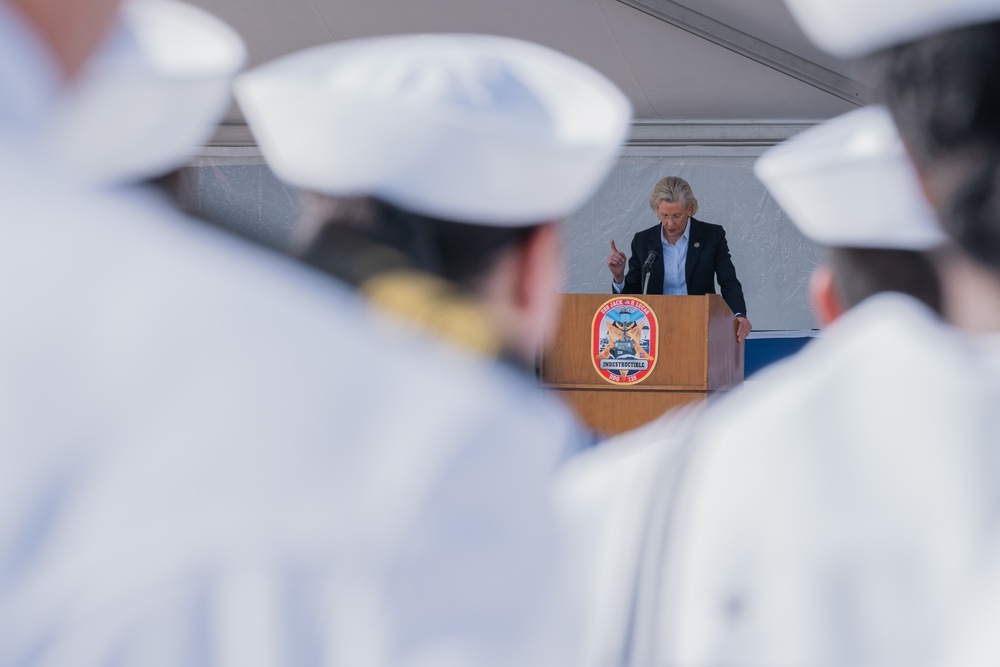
point(940, 62)
point(153, 93)
point(70, 29)
point(152, 86)
point(848, 185)
point(439, 166)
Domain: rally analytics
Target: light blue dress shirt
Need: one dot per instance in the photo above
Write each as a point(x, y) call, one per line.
point(674, 264)
point(674, 261)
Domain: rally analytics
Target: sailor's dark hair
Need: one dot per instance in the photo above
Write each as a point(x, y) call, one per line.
point(460, 252)
point(944, 94)
point(863, 272)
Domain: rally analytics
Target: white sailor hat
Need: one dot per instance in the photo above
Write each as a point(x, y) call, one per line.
point(849, 183)
point(470, 128)
point(849, 28)
point(151, 96)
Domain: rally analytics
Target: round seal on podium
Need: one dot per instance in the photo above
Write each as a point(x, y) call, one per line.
point(624, 340)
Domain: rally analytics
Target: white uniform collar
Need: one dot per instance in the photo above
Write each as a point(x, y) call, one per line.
point(888, 323)
point(891, 307)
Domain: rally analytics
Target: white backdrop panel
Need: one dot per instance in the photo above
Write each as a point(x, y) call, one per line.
point(773, 260)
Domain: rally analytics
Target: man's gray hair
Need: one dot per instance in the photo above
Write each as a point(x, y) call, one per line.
point(671, 189)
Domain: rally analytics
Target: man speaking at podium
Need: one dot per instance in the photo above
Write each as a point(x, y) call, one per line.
point(681, 255)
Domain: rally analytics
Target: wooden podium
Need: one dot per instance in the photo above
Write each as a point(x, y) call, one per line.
point(696, 355)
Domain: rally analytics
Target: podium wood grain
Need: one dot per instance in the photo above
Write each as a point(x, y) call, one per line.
point(610, 411)
point(698, 354)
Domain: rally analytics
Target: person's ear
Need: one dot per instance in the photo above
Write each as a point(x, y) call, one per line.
point(541, 265)
point(922, 179)
point(824, 296)
point(538, 281)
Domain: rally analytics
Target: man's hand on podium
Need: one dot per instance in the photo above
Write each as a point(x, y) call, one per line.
point(743, 328)
point(616, 263)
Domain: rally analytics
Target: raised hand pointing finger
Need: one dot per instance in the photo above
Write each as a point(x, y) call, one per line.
point(616, 263)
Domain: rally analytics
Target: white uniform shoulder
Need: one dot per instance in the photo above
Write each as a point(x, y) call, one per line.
point(874, 350)
point(201, 424)
point(604, 499)
point(834, 508)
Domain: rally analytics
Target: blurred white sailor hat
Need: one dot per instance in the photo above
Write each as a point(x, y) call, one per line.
point(849, 183)
point(470, 128)
point(851, 28)
point(153, 94)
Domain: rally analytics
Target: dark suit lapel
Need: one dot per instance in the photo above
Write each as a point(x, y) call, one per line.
point(694, 249)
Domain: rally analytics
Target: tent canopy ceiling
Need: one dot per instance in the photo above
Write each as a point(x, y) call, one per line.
point(668, 69)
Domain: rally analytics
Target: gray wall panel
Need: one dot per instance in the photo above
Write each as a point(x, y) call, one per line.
point(246, 198)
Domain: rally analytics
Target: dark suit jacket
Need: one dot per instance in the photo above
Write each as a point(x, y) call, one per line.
point(707, 257)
